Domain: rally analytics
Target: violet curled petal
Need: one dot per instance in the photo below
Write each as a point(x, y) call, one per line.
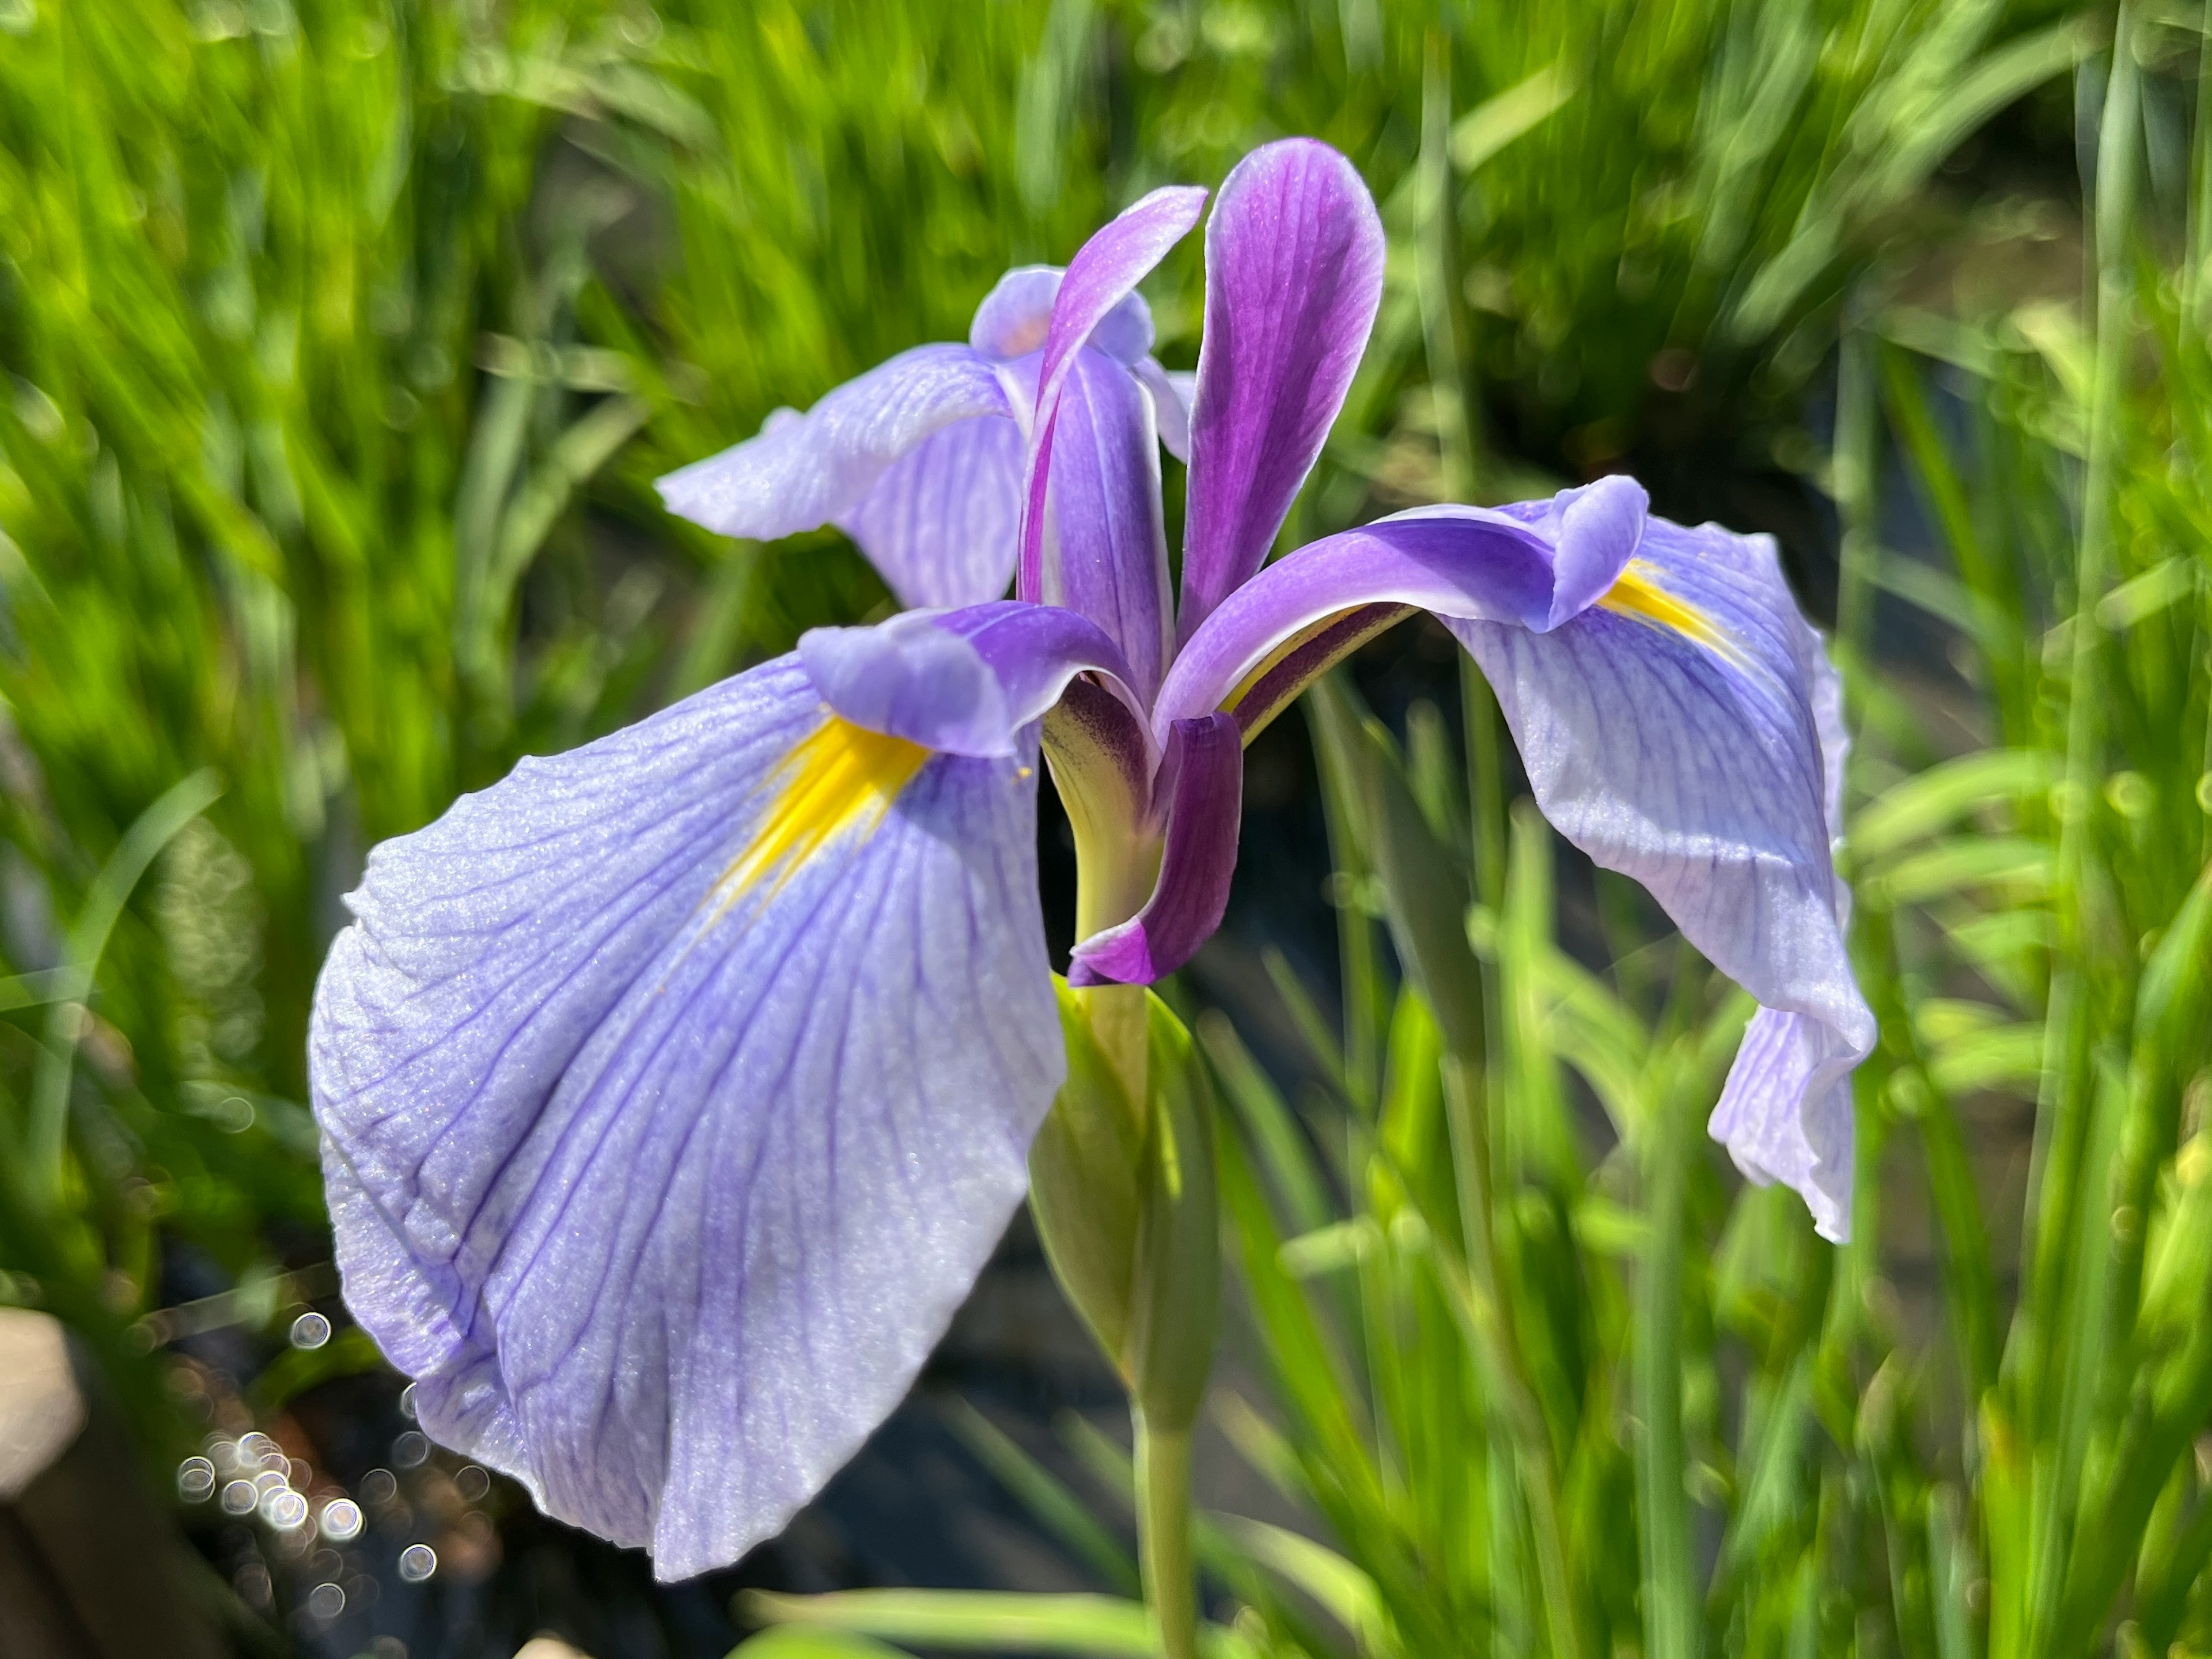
point(1293, 277)
point(942, 523)
point(1671, 732)
point(1110, 545)
point(1105, 271)
point(1206, 791)
point(909, 678)
point(1456, 562)
point(1035, 650)
point(962, 682)
point(661, 1167)
point(808, 470)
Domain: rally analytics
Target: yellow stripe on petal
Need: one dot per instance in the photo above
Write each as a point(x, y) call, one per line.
point(839, 777)
point(1636, 592)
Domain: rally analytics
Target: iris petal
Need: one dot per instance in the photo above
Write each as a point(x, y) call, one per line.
point(1672, 733)
point(1108, 558)
point(1104, 273)
point(1497, 565)
point(674, 1091)
point(940, 523)
point(1293, 277)
point(823, 467)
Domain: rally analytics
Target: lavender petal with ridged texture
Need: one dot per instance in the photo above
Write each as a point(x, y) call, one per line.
point(1104, 273)
point(661, 1191)
point(941, 524)
point(1470, 562)
point(876, 431)
point(1204, 783)
point(1293, 277)
point(1697, 765)
point(1108, 553)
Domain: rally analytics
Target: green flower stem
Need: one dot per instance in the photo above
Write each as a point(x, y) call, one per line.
point(1164, 1534)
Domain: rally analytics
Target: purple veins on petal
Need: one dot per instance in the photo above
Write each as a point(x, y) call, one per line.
point(1675, 735)
point(1294, 278)
point(884, 430)
point(939, 525)
point(673, 1093)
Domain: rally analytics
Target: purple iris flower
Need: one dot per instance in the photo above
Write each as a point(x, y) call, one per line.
point(675, 1090)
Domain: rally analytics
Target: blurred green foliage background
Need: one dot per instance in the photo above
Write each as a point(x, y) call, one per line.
point(345, 337)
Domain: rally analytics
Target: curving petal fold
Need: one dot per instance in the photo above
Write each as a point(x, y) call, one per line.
point(964, 682)
point(1672, 731)
point(1293, 277)
point(1202, 784)
point(1494, 565)
point(823, 467)
point(674, 1091)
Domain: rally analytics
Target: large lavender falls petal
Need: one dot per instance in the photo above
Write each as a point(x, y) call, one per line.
point(674, 1091)
point(1203, 783)
point(1673, 732)
point(920, 458)
point(1293, 277)
point(939, 525)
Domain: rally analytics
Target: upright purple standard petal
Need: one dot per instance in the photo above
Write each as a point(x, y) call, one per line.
point(1293, 277)
point(1672, 732)
point(674, 1091)
point(1104, 273)
point(1109, 558)
point(893, 427)
point(1203, 785)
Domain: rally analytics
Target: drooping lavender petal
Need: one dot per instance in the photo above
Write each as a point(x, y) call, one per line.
point(1457, 561)
point(1203, 782)
point(1672, 732)
point(1790, 1057)
point(1108, 553)
point(1293, 277)
point(960, 682)
point(1105, 271)
point(1015, 315)
point(674, 1091)
point(805, 470)
point(941, 524)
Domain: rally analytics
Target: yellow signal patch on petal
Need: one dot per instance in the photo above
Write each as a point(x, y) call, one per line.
point(1635, 592)
point(839, 777)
